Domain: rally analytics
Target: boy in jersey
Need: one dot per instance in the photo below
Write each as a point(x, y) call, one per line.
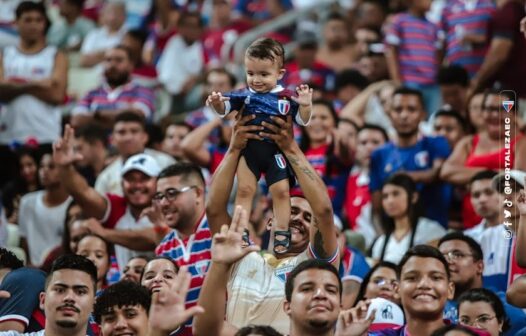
point(264, 98)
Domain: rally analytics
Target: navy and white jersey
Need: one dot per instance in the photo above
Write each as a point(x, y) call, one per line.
point(277, 102)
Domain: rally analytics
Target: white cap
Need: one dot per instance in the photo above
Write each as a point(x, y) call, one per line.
point(516, 175)
point(388, 314)
point(143, 163)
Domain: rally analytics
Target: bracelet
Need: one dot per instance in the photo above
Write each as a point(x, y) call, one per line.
point(161, 229)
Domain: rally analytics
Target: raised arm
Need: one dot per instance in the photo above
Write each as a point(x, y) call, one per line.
point(323, 234)
point(223, 179)
point(92, 203)
point(516, 293)
point(355, 108)
point(227, 249)
point(193, 144)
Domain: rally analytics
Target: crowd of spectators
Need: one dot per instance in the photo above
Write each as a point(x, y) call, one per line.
point(120, 182)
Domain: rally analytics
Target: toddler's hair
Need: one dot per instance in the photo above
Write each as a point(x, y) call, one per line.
point(267, 48)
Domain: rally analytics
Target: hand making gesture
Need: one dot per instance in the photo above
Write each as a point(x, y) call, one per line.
point(63, 151)
point(304, 97)
point(217, 101)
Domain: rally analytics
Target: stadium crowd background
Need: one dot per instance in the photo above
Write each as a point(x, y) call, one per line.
point(410, 174)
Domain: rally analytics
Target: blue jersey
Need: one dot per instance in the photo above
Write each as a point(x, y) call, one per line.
point(389, 159)
point(277, 102)
point(353, 265)
point(516, 315)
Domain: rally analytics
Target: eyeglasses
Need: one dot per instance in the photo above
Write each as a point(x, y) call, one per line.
point(456, 255)
point(170, 194)
point(479, 321)
point(379, 281)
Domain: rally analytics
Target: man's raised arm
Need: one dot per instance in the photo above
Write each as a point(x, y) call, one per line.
point(323, 235)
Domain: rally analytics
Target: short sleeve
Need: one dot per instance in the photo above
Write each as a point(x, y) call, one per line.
point(84, 105)
point(393, 34)
point(375, 174)
point(359, 268)
point(145, 101)
point(25, 286)
point(506, 21)
point(439, 147)
point(428, 230)
point(236, 101)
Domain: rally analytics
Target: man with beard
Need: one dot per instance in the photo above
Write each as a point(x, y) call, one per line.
point(255, 283)
point(116, 94)
point(420, 157)
point(466, 264)
point(123, 221)
point(68, 298)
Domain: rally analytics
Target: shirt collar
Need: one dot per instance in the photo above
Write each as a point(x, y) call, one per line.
point(277, 88)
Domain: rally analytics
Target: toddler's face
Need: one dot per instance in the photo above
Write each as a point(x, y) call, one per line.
point(262, 74)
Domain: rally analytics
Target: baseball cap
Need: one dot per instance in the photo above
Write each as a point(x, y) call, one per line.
point(516, 175)
point(306, 39)
point(143, 163)
point(388, 314)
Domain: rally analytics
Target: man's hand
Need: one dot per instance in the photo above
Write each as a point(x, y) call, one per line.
point(63, 152)
point(217, 102)
point(168, 310)
point(355, 322)
point(304, 97)
point(93, 226)
point(227, 245)
point(282, 133)
point(243, 132)
point(521, 201)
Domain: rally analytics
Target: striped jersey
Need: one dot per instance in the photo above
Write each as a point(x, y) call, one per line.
point(500, 264)
point(193, 252)
point(353, 265)
point(461, 17)
point(417, 41)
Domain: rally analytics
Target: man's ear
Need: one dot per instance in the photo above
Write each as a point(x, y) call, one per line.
point(451, 290)
point(286, 307)
point(42, 299)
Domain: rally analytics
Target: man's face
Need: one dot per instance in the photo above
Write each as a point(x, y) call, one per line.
point(85, 149)
point(191, 29)
point(336, 34)
point(129, 138)
point(486, 200)
point(133, 270)
point(448, 127)
point(463, 267)
point(31, 26)
point(113, 15)
point(368, 141)
point(315, 302)
point(424, 287)
point(181, 209)
point(117, 67)
point(300, 221)
point(48, 172)
point(138, 188)
point(406, 114)
point(454, 95)
point(218, 82)
point(125, 320)
point(68, 299)
point(173, 138)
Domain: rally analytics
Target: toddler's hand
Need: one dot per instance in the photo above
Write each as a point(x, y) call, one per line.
point(216, 101)
point(304, 95)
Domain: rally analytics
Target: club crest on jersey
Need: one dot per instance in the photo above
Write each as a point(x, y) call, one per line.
point(283, 272)
point(280, 161)
point(422, 159)
point(508, 105)
point(283, 106)
point(202, 267)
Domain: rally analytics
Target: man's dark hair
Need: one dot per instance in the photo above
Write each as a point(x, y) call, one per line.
point(9, 260)
point(350, 122)
point(475, 248)
point(377, 128)
point(336, 16)
point(260, 330)
point(74, 262)
point(488, 296)
point(453, 75)
point(130, 116)
point(423, 251)
point(139, 35)
point(32, 6)
point(453, 327)
point(120, 294)
point(350, 77)
point(307, 265)
point(267, 48)
point(124, 48)
point(223, 71)
point(447, 112)
point(185, 170)
point(186, 15)
point(77, 3)
point(483, 175)
point(411, 92)
point(92, 133)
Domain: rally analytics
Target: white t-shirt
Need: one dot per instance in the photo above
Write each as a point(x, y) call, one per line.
point(109, 180)
point(27, 116)
point(427, 230)
point(100, 39)
point(43, 227)
point(476, 231)
point(16, 333)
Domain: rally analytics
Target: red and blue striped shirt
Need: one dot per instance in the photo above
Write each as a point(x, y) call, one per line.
point(417, 41)
point(193, 252)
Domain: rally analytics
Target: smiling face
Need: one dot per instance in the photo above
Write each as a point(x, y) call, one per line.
point(424, 287)
point(383, 283)
point(95, 249)
point(126, 320)
point(68, 300)
point(299, 224)
point(159, 273)
point(480, 315)
point(138, 188)
point(262, 74)
point(315, 301)
point(321, 125)
point(182, 208)
point(133, 269)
